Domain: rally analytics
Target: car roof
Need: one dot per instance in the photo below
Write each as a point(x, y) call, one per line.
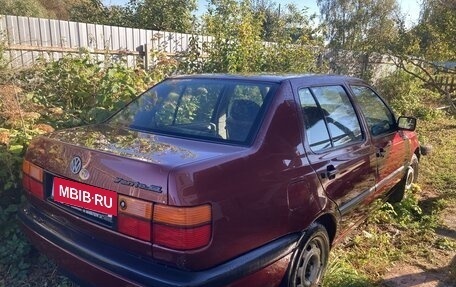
point(270, 77)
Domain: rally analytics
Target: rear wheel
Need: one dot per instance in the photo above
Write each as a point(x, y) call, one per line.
point(310, 259)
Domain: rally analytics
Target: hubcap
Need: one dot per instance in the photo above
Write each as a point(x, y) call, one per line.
point(410, 177)
point(310, 265)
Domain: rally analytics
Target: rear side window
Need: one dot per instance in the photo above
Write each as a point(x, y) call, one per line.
point(379, 118)
point(212, 109)
point(329, 117)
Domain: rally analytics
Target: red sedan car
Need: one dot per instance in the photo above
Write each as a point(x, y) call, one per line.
point(217, 180)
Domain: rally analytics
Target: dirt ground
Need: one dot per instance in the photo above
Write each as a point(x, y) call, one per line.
point(440, 271)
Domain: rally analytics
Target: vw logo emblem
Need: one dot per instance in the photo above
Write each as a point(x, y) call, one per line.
point(76, 165)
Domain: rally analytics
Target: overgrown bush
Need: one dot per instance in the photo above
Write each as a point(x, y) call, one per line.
point(408, 96)
point(17, 126)
point(69, 92)
point(80, 89)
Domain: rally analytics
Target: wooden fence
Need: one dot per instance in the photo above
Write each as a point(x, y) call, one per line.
point(29, 39)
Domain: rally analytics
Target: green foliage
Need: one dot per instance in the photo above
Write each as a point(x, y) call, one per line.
point(59, 9)
point(190, 61)
point(424, 50)
point(31, 8)
point(282, 21)
point(391, 233)
point(406, 214)
point(236, 43)
point(17, 127)
point(3, 59)
point(163, 15)
point(51, 95)
point(93, 11)
point(14, 261)
point(436, 31)
point(359, 25)
point(341, 273)
point(163, 66)
point(408, 96)
point(237, 30)
point(88, 89)
point(293, 57)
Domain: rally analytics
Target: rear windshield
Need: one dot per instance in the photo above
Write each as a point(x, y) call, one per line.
point(211, 109)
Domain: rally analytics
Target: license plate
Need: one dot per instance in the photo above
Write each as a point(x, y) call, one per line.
point(85, 196)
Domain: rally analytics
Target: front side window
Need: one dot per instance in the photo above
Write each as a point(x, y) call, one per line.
point(329, 117)
point(212, 109)
point(379, 118)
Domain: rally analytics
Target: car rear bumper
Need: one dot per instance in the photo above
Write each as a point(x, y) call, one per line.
point(98, 264)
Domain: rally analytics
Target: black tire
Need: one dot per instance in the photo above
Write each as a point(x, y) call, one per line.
point(411, 176)
point(309, 261)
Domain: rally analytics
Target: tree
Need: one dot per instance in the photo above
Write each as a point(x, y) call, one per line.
point(31, 8)
point(236, 46)
point(436, 30)
point(163, 15)
point(282, 20)
point(427, 50)
point(269, 12)
point(358, 32)
point(58, 9)
point(236, 32)
point(359, 25)
point(93, 11)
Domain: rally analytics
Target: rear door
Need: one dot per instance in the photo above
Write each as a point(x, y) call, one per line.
point(337, 148)
point(391, 149)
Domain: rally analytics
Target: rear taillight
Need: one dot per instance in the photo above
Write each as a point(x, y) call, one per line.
point(32, 179)
point(180, 228)
point(182, 238)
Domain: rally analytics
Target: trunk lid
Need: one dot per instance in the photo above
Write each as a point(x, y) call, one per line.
point(114, 158)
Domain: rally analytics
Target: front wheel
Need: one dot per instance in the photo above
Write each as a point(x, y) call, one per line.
point(412, 172)
point(411, 176)
point(310, 260)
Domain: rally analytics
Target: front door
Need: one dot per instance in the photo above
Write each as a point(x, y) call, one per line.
point(390, 147)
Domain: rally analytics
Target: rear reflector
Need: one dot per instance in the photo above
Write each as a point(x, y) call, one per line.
point(182, 238)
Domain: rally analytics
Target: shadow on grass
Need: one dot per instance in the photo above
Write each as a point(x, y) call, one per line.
point(446, 232)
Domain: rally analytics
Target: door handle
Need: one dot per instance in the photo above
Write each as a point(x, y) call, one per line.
point(330, 173)
point(381, 152)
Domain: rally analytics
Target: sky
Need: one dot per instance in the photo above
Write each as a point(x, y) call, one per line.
point(410, 8)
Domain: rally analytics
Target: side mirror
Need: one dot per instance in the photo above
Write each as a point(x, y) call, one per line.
point(406, 123)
